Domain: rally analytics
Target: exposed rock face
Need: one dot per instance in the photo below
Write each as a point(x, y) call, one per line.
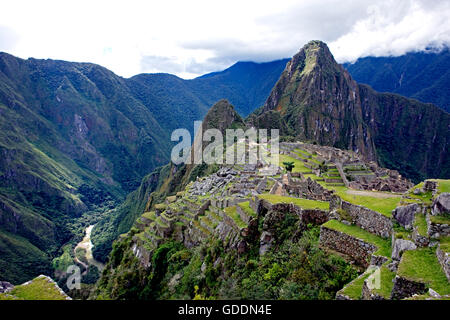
point(430, 185)
point(441, 205)
point(317, 100)
point(399, 246)
point(5, 286)
point(405, 215)
point(321, 101)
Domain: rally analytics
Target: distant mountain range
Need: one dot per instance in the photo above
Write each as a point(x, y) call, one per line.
point(317, 100)
point(75, 138)
point(424, 76)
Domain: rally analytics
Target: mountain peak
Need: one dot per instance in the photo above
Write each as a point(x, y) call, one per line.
point(222, 115)
point(317, 98)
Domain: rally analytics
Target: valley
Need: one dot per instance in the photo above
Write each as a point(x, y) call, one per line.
point(360, 189)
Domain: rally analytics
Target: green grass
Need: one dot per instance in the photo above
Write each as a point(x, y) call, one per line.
point(354, 289)
point(214, 216)
point(161, 223)
point(303, 203)
point(160, 206)
point(445, 244)
point(381, 205)
point(38, 289)
point(246, 207)
point(208, 222)
point(425, 197)
point(231, 212)
point(423, 266)
point(201, 228)
point(303, 152)
point(150, 215)
point(440, 219)
point(171, 199)
point(299, 166)
point(383, 245)
point(386, 284)
point(443, 185)
point(420, 223)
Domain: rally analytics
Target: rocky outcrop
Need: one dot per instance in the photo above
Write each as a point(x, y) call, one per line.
point(404, 215)
point(441, 205)
point(399, 246)
point(317, 100)
point(5, 286)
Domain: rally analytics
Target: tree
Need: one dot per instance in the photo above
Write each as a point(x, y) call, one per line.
point(323, 167)
point(289, 166)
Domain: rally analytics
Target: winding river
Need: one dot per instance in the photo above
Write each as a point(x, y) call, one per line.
point(87, 245)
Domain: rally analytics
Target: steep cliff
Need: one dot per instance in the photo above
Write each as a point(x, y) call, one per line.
point(318, 101)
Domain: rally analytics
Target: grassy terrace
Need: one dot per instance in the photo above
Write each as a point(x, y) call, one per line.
point(443, 185)
point(232, 213)
point(354, 288)
point(38, 289)
point(420, 223)
point(299, 166)
point(208, 222)
point(302, 203)
point(423, 197)
point(383, 245)
point(445, 244)
point(201, 228)
point(422, 265)
point(381, 205)
point(213, 215)
point(150, 215)
point(386, 284)
point(441, 219)
point(246, 207)
point(161, 223)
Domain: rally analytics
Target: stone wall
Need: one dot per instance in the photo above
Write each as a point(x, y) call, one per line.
point(309, 189)
point(359, 250)
point(306, 216)
point(444, 260)
point(369, 220)
point(436, 230)
point(404, 288)
point(368, 294)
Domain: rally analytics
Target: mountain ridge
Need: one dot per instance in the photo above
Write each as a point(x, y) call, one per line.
point(420, 75)
point(75, 139)
point(317, 100)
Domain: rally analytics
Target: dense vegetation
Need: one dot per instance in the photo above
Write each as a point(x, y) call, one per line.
point(295, 269)
point(75, 139)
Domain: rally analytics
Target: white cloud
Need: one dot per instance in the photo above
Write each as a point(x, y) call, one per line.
point(189, 38)
point(395, 28)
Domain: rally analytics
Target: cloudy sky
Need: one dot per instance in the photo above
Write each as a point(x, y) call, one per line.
point(190, 38)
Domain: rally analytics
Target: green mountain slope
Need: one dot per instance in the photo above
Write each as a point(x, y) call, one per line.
point(75, 137)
